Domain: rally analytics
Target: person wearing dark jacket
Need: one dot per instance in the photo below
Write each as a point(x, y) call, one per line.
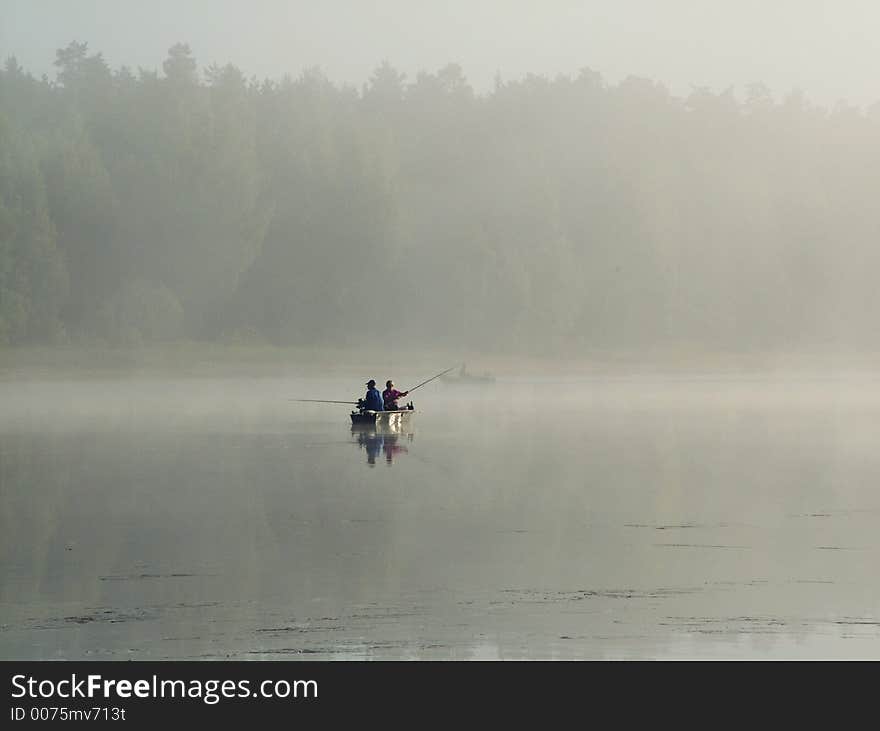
point(373, 400)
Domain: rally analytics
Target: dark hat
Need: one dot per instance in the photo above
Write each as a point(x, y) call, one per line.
point(371, 382)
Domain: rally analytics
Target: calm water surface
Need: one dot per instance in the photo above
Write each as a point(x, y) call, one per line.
point(604, 518)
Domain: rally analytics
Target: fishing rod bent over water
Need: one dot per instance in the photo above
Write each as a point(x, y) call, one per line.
point(322, 401)
point(431, 379)
point(356, 403)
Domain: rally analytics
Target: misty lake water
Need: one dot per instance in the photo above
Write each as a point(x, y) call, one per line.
point(583, 518)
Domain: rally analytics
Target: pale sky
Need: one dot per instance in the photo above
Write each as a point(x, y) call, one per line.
point(828, 49)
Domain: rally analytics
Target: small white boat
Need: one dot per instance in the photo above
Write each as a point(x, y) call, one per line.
point(390, 420)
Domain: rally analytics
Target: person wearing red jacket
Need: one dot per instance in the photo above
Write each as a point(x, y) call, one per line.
point(390, 396)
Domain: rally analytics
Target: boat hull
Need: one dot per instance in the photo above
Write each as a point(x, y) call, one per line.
point(392, 420)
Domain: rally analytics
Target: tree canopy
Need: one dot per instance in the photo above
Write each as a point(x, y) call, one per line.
point(548, 214)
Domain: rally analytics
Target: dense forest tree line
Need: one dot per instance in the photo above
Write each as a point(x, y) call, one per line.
point(551, 214)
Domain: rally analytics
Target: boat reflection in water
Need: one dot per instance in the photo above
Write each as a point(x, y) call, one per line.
point(381, 441)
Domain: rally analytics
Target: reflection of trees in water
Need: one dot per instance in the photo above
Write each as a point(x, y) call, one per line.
point(377, 442)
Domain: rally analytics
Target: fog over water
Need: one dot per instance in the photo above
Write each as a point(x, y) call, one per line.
point(618, 518)
point(649, 229)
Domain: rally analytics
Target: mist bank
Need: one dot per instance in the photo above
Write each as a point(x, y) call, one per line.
point(406, 365)
point(554, 217)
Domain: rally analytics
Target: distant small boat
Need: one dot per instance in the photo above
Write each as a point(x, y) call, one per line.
point(390, 420)
point(464, 378)
point(470, 380)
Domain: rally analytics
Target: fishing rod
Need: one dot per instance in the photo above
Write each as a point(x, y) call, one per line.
point(355, 403)
point(431, 379)
point(322, 401)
